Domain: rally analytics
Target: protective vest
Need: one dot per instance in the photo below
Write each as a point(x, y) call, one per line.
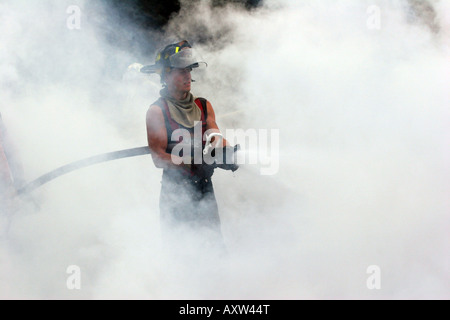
point(172, 125)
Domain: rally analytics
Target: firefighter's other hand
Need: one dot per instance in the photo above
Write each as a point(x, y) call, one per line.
point(229, 161)
point(202, 171)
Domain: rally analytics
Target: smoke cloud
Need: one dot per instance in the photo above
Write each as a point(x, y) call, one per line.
point(358, 93)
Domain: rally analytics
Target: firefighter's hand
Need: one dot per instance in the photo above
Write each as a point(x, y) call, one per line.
point(201, 170)
point(229, 160)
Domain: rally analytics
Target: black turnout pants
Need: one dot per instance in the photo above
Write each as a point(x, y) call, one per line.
point(189, 214)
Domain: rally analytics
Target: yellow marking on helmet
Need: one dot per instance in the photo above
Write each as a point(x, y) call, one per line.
point(177, 49)
point(158, 57)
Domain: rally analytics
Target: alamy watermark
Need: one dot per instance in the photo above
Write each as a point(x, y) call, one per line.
point(73, 21)
point(374, 17)
point(257, 147)
point(73, 281)
point(374, 280)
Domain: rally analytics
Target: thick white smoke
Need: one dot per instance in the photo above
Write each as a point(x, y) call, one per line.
point(358, 93)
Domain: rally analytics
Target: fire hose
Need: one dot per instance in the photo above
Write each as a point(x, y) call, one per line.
point(29, 187)
point(105, 157)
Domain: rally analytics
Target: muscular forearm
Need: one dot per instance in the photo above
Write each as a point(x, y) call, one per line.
point(164, 160)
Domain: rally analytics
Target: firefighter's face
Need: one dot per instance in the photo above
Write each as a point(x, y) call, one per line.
point(179, 79)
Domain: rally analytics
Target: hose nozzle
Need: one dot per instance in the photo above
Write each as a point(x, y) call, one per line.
point(209, 146)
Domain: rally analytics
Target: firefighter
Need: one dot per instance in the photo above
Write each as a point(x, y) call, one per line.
point(187, 199)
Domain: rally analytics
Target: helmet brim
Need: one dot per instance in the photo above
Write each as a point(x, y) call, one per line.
point(150, 69)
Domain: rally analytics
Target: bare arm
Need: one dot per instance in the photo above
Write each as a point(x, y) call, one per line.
point(157, 139)
point(211, 123)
